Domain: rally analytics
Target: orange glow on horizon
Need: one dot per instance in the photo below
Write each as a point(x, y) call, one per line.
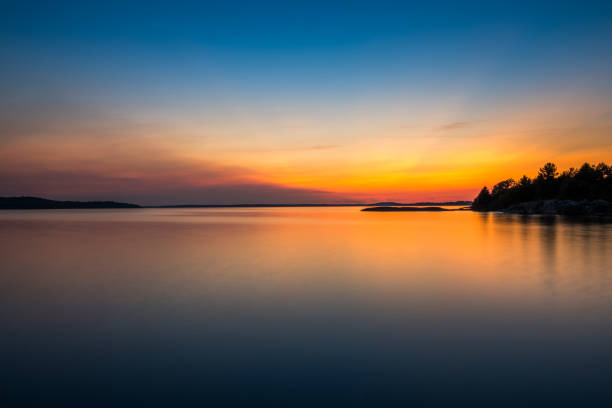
point(357, 162)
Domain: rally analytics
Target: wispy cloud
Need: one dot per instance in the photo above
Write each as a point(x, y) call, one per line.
point(453, 126)
point(318, 147)
point(152, 190)
point(284, 149)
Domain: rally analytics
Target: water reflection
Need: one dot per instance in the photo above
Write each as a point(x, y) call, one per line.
point(304, 306)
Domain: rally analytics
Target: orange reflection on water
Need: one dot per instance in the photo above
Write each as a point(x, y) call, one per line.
point(293, 253)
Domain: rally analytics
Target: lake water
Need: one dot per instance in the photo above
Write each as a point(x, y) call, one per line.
point(304, 306)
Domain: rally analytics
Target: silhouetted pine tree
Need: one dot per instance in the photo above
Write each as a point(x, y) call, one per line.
point(482, 201)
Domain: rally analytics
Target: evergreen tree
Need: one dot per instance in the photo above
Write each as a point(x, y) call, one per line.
point(482, 201)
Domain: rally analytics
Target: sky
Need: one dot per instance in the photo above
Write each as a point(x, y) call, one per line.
point(287, 102)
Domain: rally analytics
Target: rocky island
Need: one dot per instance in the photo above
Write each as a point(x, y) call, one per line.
point(575, 192)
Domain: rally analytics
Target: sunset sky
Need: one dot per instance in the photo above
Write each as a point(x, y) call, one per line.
point(230, 102)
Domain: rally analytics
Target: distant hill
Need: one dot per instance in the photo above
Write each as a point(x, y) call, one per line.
point(36, 203)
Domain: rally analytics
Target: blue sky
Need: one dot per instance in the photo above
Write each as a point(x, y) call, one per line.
point(320, 46)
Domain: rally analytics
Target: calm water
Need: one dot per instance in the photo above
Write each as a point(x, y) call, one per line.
point(310, 306)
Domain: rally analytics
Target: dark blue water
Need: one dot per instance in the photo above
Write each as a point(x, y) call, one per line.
point(290, 306)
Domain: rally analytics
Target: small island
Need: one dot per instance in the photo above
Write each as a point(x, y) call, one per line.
point(384, 209)
point(36, 203)
point(422, 204)
point(586, 191)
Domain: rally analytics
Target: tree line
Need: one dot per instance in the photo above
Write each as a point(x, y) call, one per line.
point(589, 182)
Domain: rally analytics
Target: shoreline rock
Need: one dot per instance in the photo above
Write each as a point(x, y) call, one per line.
point(562, 207)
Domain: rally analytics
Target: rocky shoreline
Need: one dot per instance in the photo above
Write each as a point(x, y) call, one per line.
point(562, 207)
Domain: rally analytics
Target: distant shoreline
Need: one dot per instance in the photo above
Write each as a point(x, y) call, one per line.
point(462, 203)
point(37, 203)
point(589, 208)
